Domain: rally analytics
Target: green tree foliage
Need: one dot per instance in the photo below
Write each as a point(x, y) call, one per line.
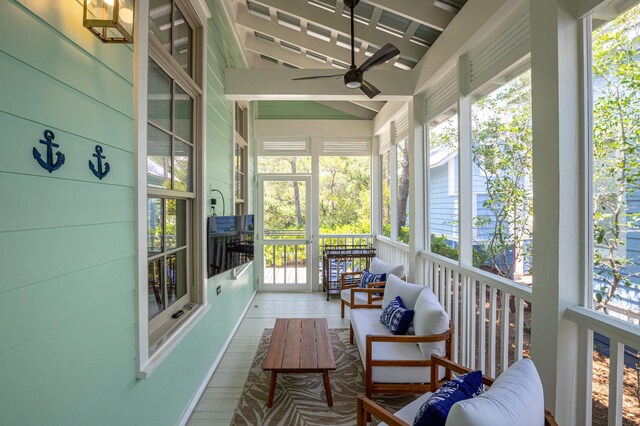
point(502, 152)
point(616, 132)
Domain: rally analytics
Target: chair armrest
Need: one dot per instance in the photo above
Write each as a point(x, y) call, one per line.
point(451, 366)
point(371, 292)
point(365, 405)
point(371, 339)
point(549, 420)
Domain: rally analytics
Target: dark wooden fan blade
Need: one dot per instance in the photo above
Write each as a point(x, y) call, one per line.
point(369, 89)
point(385, 53)
point(317, 77)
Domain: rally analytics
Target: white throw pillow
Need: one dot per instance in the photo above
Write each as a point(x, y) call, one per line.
point(515, 398)
point(396, 287)
point(381, 267)
point(430, 318)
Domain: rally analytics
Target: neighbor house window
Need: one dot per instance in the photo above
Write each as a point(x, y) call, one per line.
point(172, 139)
point(240, 163)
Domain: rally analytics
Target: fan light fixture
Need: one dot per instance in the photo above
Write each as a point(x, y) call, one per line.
point(109, 20)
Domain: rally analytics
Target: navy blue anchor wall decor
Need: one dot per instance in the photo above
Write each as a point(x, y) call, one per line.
point(49, 165)
point(103, 168)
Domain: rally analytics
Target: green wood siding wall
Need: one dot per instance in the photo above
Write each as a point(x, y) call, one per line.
point(300, 110)
point(67, 288)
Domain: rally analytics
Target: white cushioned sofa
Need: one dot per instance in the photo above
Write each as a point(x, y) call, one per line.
point(401, 363)
point(352, 295)
point(514, 398)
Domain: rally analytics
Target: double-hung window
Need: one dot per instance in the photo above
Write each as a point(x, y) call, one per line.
point(241, 164)
point(173, 128)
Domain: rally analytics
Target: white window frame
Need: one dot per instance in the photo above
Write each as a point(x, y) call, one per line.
point(198, 12)
point(241, 138)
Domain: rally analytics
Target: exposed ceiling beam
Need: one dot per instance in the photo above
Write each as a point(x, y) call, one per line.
point(423, 12)
point(350, 108)
point(372, 105)
point(259, 84)
point(298, 38)
point(304, 10)
point(275, 51)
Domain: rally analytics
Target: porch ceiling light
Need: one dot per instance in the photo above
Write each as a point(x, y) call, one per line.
point(110, 20)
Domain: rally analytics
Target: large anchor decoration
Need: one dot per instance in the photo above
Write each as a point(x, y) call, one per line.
point(100, 172)
point(49, 164)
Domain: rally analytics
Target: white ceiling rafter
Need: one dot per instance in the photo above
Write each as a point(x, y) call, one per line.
point(351, 108)
point(419, 11)
point(275, 51)
point(304, 10)
point(299, 38)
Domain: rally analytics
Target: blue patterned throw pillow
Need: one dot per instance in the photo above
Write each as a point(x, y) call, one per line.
point(396, 317)
point(435, 410)
point(369, 278)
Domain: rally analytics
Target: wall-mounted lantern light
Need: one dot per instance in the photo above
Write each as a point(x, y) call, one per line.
point(110, 20)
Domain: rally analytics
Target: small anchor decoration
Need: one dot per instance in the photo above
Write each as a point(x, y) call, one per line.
point(49, 164)
point(100, 172)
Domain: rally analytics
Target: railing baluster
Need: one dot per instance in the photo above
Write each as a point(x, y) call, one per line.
point(285, 263)
point(472, 323)
point(616, 377)
point(456, 309)
point(482, 305)
point(295, 264)
point(441, 278)
point(504, 332)
point(463, 322)
point(519, 328)
point(492, 331)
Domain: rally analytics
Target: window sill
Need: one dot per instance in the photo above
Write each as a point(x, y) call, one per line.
point(171, 340)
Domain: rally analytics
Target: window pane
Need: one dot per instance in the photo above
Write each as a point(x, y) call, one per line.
point(502, 181)
point(159, 98)
point(155, 287)
point(345, 195)
point(176, 223)
point(403, 190)
point(160, 21)
point(176, 276)
point(284, 165)
point(616, 168)
point(386, 195)
point(182, 41)
point(155, 232)
point(443, 187)
point(182, 154)
point(183, 114)
point(158, 158)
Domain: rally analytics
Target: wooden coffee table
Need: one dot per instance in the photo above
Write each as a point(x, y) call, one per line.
point(300, 345)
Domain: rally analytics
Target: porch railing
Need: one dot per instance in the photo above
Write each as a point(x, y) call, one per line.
point(620, 334)
point(392, 252)
point(491, 313)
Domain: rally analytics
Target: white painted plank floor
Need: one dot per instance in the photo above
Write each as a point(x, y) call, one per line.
point(223, 391)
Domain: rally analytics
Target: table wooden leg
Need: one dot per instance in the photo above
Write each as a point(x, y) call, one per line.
point(272, 388)
point(327, 387)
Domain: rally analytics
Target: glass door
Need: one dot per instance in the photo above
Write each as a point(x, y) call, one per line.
point(283, 234)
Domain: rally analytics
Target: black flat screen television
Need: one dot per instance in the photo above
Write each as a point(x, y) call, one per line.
point(229, 242)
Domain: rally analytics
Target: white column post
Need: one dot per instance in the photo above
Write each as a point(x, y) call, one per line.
point(315, 212)
point(557, 252)
point(465, 165)
point(417, 188)
point(376, 187)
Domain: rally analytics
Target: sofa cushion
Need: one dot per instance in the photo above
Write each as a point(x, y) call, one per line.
point(381, 267)
point(436, 408)
point(408, 412)
point(396, 317)
point(516, 397)
point(430, 318)
point(396, 287)
point(359, 297)
point(366, 321)
point(369, 278)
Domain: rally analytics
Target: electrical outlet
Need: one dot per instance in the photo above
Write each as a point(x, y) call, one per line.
point(218, 290)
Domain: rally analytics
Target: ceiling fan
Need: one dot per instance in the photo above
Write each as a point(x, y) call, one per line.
point(353, 78)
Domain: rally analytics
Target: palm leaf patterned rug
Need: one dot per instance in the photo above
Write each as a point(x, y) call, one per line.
point(300, 398)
